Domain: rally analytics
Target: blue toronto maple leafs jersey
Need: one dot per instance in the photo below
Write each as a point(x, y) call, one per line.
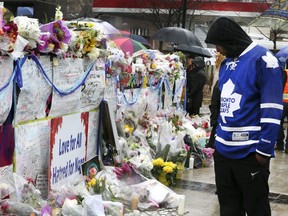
point(251, 104)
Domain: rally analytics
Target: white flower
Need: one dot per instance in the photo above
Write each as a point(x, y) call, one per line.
point(58, 13)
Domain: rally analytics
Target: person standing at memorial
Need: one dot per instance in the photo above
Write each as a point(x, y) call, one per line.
point(251, 86)
point(214, 106)
point(196, 80)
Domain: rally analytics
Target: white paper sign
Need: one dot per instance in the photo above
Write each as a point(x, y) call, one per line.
point(168, 94)
point(92, 133)
point(6, 70)
point(178, 89)
point(32, 148)
point(66, 72)
point(110, 93)
point(35, 91)
point(42, 184)
point(93, 90)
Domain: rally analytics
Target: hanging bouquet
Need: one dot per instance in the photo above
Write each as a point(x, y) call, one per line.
point(164, 172)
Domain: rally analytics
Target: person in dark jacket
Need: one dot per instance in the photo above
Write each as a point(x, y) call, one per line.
point(214, 114)
point(196, 80)
point(249, 119)
point(215, 103)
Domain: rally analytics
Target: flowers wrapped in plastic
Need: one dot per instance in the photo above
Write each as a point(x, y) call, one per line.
point(126, 173)
point(208, 152)
point(23, 197)
point(28, 28)
point(58, 37)
point(96, 185)
point(10, 207)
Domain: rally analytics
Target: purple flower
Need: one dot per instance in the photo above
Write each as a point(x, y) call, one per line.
point(46, 210)
point(59, 33)
point(44, 42)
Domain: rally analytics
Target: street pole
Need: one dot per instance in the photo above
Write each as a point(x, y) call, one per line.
point(184, 11)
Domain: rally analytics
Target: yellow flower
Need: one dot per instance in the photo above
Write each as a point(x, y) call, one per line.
point(93, 182)
point(128, 129)
point(153, 65)
point(89, 184)
point(170, 164)
point(168, 169)
point(158, 162)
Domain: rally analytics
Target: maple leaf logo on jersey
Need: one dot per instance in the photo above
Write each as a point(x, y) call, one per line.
point(271, 60)
point(229, 101)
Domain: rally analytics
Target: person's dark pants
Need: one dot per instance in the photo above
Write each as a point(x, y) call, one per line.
point(281, 135)
point(242, 186)
point(192, 109)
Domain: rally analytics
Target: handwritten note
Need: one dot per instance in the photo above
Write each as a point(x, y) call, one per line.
point(35, 91)
point(110, 93)
point(32, 148)
point(42, 184)
point(92, 133)
point(6, 69)
point(66, 72)
point(168, 94)
point(93, 89)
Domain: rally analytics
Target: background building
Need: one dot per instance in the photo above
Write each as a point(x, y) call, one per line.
point(146, 17)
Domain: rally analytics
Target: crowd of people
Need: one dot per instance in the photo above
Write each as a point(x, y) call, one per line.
point(247, 116)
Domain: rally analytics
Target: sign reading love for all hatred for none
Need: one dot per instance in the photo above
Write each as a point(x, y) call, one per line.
point(68, 146)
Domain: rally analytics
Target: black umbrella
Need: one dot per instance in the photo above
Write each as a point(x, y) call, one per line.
point(194, 50)
point(177, 36)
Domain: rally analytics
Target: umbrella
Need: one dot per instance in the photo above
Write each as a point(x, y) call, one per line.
point(195, 50)
point(282, 54)
point(101, 25)
point(136, 37)
point(276, 18)
point(129, 45)
point(176, 35)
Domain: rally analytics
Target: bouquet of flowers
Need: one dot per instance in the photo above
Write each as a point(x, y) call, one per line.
point(164, 172)
point(96, 185)
point(208, 152)
point(126, 174)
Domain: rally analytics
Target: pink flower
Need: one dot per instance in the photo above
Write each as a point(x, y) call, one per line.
point(208, 152)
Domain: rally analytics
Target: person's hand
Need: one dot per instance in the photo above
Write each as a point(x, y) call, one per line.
point(262, 160)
